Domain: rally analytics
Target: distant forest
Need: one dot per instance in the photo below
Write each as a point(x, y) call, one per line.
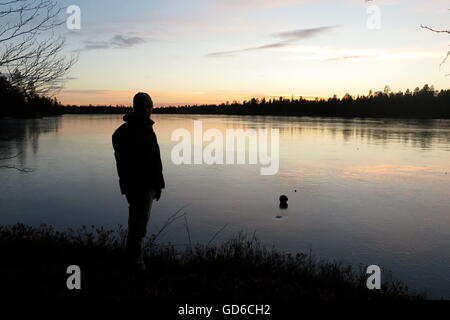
point(18, 102)
point(420, 103)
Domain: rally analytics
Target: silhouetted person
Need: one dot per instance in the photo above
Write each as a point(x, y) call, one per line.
point(139, 167)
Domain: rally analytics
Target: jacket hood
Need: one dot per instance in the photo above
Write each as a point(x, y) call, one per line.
point(133, 117)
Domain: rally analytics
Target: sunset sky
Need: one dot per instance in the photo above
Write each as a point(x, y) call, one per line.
point(211, 51)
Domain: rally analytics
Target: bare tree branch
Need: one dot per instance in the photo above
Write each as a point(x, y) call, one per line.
point(438, 31)
point(434, 30)
point(31, 54)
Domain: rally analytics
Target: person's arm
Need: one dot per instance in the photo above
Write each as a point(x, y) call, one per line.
point(123, 155)
point(158, 194)
point(158, 177)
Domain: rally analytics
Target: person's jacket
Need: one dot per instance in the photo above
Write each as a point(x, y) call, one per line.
point(137, 155)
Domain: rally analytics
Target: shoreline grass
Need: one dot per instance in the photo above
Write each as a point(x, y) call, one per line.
point(35, 259)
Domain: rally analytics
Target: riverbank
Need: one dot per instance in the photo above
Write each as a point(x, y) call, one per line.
point(34, 263)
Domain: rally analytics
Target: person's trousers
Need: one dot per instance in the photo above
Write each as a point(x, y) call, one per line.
point(140, 205)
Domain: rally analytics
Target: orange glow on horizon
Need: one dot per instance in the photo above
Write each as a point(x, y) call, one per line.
point(161, 99)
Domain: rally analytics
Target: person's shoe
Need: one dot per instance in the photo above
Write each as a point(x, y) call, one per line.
point(140, 266)
point(137, 266)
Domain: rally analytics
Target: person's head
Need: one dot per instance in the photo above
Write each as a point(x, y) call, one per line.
point(142, 104)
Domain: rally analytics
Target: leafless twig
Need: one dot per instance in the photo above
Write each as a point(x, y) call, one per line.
point(438, 31)
point(30, 53)
point(169, 221)
point(188, 233)
point(216, 234)
point(434, 30)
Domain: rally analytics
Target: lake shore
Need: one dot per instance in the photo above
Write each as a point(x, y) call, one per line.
point(35, 260)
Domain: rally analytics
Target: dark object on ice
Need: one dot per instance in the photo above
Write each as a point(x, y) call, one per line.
point(283, 202)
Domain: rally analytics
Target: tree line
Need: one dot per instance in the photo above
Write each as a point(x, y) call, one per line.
point(17, 102)
point(419, 103)
point(33, 64)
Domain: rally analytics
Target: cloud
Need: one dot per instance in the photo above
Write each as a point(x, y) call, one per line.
point(233, 52)
point(289, 37)
point(300, 34)
point(329, 53)
point(350, 57)
point(261, 3)
point(89, 91)
point(118, 41)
